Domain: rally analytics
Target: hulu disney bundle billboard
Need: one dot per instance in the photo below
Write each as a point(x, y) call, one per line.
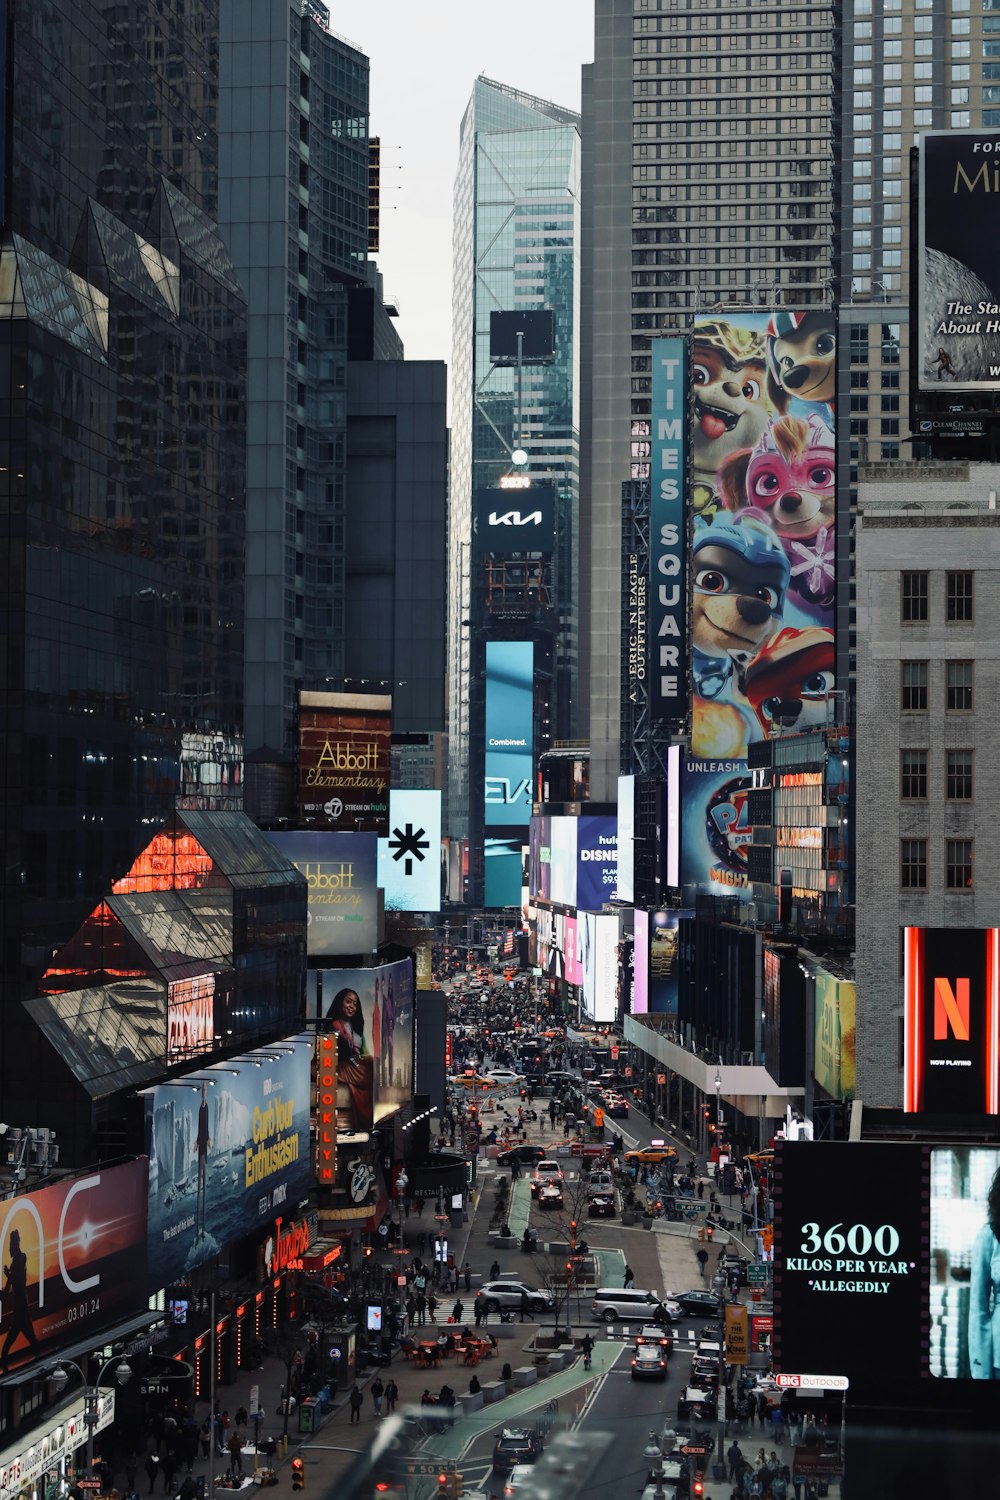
point(228, 1149)
point(344, 760)
point(510, 695)
point(958, 315)
point(760, 563)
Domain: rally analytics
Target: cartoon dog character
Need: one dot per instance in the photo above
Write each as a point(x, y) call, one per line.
point(740, 575)
point(802, 361)
point(788, 481)
point(731, 410)
point(788, 683)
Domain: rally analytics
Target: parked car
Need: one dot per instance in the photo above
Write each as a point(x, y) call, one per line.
point(649, 1360)
point(513, 1446)
point(507, 1293)
point(601, 1205)
point(546, 1171)
point(697, 1303)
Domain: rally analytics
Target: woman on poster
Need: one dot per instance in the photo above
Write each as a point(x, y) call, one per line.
point(984, 1297)
point(354, 1062)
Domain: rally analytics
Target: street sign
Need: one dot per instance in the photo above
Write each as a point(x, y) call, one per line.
point(422, 1471)
point(693, 1448)
point(757, 1275)
point(89, 1484)
point(813, 1382)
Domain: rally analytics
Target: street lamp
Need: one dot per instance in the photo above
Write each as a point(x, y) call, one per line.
point(718, 1102)
point(719, 1283)
point(91, 1393)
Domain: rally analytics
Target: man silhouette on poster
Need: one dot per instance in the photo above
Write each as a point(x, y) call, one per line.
point(16, 1290)
point(203, 1142)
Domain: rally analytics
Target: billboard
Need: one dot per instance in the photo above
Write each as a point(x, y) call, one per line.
point(344, 760)
point(537, 330)
point(562, 860)
point(626, 838)
point(502, 865)
point(596, 861)
point(509, 731)
point(664, 963)
point(540, 858)
point(226, 1147)
point(951, 1020)
point(514, 520)
point(551, 943)
point(190, 1017)
point(598, 946)
point(959, 277)
point(667, 684)
point(761, 562)
point(834, 1053)
point(409, 860)
point(340, 871)
point(964, 1225)
point(74, 1257)
point(371, 1013)
point(640, 971)
point(571, 948)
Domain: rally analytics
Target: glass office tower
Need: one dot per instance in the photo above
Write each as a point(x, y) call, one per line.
point(516, 247)
point(121, 462)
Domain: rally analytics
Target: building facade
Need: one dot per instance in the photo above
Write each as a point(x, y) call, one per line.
point(516, 249)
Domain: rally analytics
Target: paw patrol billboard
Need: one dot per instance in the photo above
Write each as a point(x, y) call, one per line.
point(762, 547)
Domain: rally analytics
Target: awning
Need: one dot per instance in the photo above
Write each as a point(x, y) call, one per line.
point(115, 1335)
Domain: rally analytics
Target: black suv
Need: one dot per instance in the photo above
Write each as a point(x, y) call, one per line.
point(515, 1445)
point(524, 1155)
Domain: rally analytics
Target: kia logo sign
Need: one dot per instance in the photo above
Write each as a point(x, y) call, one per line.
point(503, 523)
point(515, 518)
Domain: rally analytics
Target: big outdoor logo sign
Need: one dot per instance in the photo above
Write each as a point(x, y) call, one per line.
point(667, 540)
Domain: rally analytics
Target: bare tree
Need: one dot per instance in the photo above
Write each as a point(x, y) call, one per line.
point(561, 1230)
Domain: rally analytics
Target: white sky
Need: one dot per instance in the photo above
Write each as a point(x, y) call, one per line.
point(425, 57)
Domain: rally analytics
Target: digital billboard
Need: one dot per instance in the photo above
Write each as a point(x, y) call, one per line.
point(540, 858)
point(226, 1147)
point(344, 760)
point(626, 837)
point(514, 520)
point(371, 1013)
point(596, 861)
point(951, 1020)
point(74, 1258)
point(959, 276)
point(190, 1017)
point(509, 731)
point(761, 566)
point(835, 1050)
point(562, 860)
point(502, 866)
point(340, 870)
point(598, 945)
point(551, 943)
point(409, 860)
point(667, 683)
point(640, 972)
point(964, 1248)
point(663, 961)
point(571, 948)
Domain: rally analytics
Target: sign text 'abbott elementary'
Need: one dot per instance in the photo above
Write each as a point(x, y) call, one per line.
point(667, 540)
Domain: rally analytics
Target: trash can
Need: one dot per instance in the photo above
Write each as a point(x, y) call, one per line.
point(310, 1416)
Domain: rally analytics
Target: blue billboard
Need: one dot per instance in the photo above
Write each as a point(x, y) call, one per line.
point(509, 714)
point(667, 534)
point(502, 864)
point(596, 862)
point(409, 860)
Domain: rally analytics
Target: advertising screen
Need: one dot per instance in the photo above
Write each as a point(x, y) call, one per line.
point(598, 940)
point(226, 1147)
point(761, 562)
point(964, 1246)
point(552, 943)
point(626, 835)
point(509, 729)
point(409, 860)
point(667, 614)
point(562, 860)
point(951, 999)
point(514, 520)
point(344, 760)
point(371, 1012)
point(74, 1257)
point(190, 1017)
point(341, 872)
point(540, 858)
point(571, 942)
point(850, 1257)
point(959, 274)
point(640, 978)
point(663, 961)
point(834, 1040)
point(502, 864)
point(596, 862)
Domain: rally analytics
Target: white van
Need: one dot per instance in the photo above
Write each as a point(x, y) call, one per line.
point(615, 1304)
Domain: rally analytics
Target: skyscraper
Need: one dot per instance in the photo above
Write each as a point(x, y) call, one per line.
point(707, 171)
point(122, 466)
point(516, 249)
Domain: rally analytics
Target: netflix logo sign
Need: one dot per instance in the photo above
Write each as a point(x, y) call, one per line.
point(951, 981)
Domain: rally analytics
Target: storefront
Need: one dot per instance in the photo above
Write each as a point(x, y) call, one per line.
point(44, 1467)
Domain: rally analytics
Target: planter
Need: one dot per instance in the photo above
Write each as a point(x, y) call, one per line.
point(629, 1218)
point(647, 1221)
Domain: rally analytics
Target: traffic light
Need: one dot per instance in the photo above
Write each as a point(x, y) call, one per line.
point(456, 1487)
point(701, 1234)
point(709, 1231)
point(298, 1474)
point(698, 1485)
point(442, 1484)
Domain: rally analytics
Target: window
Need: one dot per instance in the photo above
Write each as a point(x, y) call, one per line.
point(914, 598)
point(958, 781)
point(913, 864)
point(959, 597)
point(913, 775)
point(958, 864)
point(958, 692)
point(913, 686)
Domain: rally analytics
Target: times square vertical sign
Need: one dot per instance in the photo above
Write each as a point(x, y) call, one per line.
point(667, 538)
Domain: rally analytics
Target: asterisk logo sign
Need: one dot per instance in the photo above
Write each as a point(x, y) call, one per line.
point(409, 846)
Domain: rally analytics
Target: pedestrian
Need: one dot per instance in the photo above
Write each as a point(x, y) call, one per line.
point(152, 1467)
point(378, 1391)
point(168, 1463)
point(526, 1308)
point(763, 1407)
point(355, 1400)
point(421, 1309)
point(391, 1396)
point(477, 1310)
point(778, 1424)
point(702, 1259)
point(432, 1306)
point(629, 1277)
point(411, 1307)
point(457, 1311)
point(235, 1448)
point(467, 1272)
point(474, 1386)
point(131, 1465)
point(735, 1457)
point(494, 1270)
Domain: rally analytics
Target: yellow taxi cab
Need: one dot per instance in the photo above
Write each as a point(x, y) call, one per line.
point(652, 1154)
